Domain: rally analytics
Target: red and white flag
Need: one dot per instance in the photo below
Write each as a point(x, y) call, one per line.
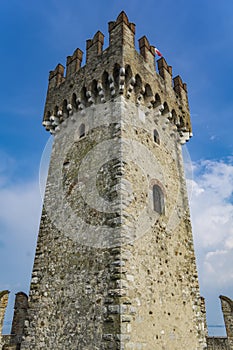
point(157, 52)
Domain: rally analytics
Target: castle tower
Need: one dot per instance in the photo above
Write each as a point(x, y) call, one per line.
point(115, 265)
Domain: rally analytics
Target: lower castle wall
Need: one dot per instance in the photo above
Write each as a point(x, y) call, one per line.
point(217, 343)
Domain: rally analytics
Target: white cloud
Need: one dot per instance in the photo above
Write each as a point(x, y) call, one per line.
point(210, 192)
point(7, 165)
point(218, 266)
point(20, 206)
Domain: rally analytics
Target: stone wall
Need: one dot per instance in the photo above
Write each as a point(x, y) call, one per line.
point(217, 343)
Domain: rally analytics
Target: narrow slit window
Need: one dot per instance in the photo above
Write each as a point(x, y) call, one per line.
point(156, 137)
point(158, 199)
point(81, 131)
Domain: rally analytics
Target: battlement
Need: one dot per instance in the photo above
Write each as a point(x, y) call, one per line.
point(118, 70)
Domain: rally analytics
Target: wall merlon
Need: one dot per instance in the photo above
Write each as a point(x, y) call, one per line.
point(224, 343)
point(180, 88)
point(73, 63)
point(165, 71)
point(121, 31)
point(170, 70)
point(178, 84)
point(20, 311)
point(3, 305)
point(56, 76)
point(3, 293)
point(122, 18)
point(94, 47)
point(185, 87)
point(147, 51)
point(227, 309)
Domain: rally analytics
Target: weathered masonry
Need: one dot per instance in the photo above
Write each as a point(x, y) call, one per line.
point(115, 265)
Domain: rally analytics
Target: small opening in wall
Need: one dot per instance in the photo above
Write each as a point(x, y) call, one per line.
point(82, 131)
point(158, 199)
point(66, 164)
point(156, 136)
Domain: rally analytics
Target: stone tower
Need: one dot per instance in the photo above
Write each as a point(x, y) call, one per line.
point(115, 265)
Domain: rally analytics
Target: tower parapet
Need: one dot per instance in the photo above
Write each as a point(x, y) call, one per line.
point(118, 70)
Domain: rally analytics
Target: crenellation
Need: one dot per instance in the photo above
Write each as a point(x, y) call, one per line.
point(103, 85)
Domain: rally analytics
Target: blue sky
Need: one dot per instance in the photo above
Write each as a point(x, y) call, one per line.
point(196, 38)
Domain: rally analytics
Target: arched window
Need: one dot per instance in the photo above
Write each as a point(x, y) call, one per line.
point(158, 199)
point(82, 131)
point(156, 137)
